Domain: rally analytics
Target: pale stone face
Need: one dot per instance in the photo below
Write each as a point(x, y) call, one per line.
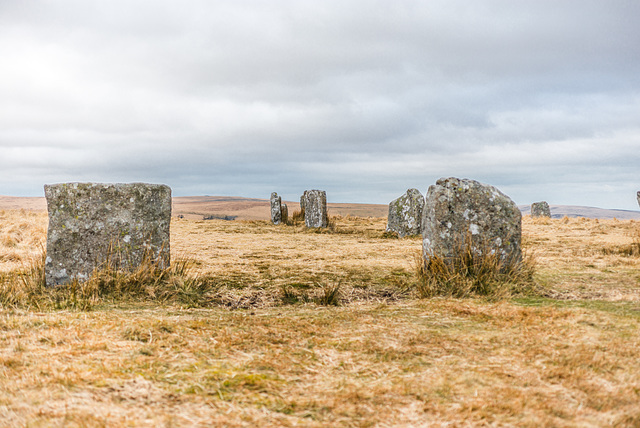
point(540, 209)
point(314, 203)
point(459, 209)
point(405, 214)
point(276, 208)
point(90, 223)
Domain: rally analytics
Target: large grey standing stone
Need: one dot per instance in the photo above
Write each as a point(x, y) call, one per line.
point(92, 223)
point(314, 204)
point(276, 208)
point(460, 210)
point(540, 209)
point(638, 196)
point(405, 214)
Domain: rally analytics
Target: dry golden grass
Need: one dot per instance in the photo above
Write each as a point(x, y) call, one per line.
point(382, 358)
point(587, 258)
point(22, 238)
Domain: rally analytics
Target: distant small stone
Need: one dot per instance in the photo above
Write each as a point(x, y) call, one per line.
point(405, 214)
point(284, 213)
point(91, 224)
point(461, 212)
point(314, 204)
point(540, 209)
point(276, 208)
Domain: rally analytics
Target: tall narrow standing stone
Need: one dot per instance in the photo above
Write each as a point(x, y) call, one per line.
point(405, 214)
point(638, 196)
point(461, 212)
point(302, 203)
point(276, 208)
point(91, 224)
point(284, 213)
point(540, 209)
point(314, 203)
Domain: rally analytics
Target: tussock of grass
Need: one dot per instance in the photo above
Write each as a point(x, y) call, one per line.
point(296, 219)
point(328, 294)
point(180, 285)
point(26, 288)
point(473, 272)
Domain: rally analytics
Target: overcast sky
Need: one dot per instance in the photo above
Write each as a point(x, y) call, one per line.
point(361, 98)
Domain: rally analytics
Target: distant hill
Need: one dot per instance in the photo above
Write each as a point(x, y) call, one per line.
point(259, 209)
point(20, 202)
point(230, 207)
point(559, 211)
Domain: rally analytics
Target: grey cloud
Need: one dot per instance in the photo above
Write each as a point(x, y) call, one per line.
point(366, 98)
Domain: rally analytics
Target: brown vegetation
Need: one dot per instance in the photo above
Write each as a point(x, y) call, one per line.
point(283, 326)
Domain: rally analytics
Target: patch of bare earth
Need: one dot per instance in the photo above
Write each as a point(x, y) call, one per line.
point(382, 358)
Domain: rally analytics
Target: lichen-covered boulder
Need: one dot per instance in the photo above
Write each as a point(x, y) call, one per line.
point(405, 214)
point(540, 209)
point(462, 212)
point(314, 204)
point(276, 208)
point(92, 224)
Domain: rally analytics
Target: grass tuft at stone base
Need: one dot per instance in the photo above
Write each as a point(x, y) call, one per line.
point(472, 272)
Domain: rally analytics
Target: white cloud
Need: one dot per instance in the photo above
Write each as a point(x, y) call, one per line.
point(363, 98)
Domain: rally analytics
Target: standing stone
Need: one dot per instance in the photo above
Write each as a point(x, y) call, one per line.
point(540, 209)
point(284, 213)
point(314, 204)
point(92, 224)
point(405, 214)
point(302, 203)
point(276, 208)
point(638, 196)
point(458, 210)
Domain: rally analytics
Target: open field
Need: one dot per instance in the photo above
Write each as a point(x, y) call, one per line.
point(198, 207)
point(267, 352)
point(239, 208)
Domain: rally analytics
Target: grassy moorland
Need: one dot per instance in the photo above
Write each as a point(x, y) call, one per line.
point(280, 326)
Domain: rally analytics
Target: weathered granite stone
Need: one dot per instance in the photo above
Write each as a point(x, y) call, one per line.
point(91, 224)
point(302, 203)
point(284, 213)
point(405, 214)
point(276, 208)
point(314, 204)
point(460, 210)
point(540, 209)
